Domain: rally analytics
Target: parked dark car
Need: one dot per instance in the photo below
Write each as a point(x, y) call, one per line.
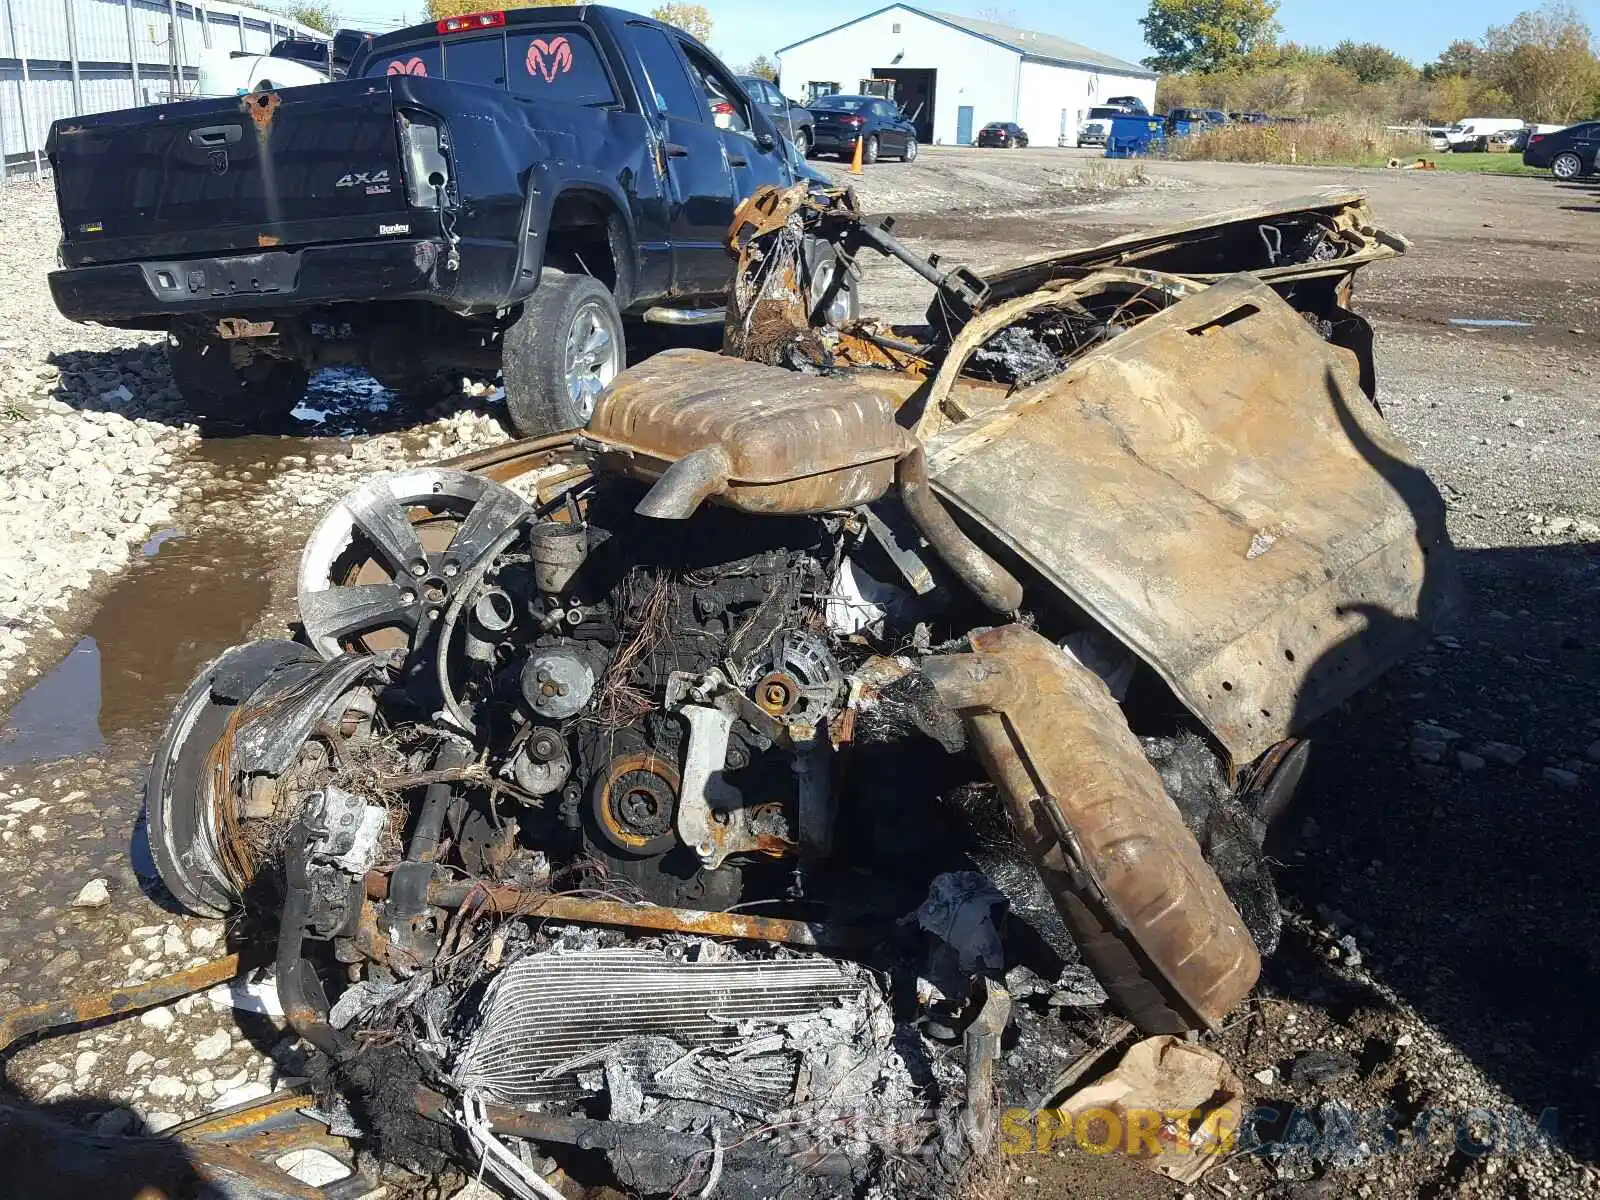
point(1194, 117)
point(1005, 134)
point(840, 120)
point(1569, 152)
point(793, 120)
point(489, 191)
point(1131, 105)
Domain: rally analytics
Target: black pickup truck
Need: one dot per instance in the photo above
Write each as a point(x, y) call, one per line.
point(494, 190)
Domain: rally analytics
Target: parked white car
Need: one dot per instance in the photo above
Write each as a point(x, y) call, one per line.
point(1472, 133)
point(233, 74)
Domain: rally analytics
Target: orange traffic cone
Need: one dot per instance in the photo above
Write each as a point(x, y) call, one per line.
point(855, 163)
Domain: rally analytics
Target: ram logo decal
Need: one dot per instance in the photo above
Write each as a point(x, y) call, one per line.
point(549, 59)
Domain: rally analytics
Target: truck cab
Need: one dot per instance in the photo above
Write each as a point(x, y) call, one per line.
point(495, 190)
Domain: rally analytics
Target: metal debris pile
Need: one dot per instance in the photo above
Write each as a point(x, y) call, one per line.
point(694, 802)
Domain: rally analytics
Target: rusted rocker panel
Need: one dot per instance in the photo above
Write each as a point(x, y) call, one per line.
point(1125, 872)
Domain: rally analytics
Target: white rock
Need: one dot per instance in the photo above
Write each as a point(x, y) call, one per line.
point(204, 938)
point(139, 1060)
point(167, 1087)
point(94, 894)
point(85, 1062)
point(159, 1019)
point(213, 1046)
point(160, 1122)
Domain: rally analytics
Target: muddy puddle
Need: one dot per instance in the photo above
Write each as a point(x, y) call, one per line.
point(193, 592)
point(191, 597)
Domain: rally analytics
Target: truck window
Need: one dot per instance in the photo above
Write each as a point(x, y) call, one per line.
point(729, 108)
point(413, 60)
point(674, 95)
point(558, 64)
point(477, 60)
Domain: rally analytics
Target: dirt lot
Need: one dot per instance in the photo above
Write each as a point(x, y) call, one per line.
point(1443, 938)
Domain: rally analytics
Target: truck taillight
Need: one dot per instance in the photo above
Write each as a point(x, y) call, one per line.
point(477, 20)
point(424, 146)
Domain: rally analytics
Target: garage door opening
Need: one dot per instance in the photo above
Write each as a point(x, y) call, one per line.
point(913, 92)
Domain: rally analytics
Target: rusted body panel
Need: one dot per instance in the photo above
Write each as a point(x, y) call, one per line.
point(582, 910)
point(117, 1002)
point(1216, 491)
point(1225, 243)
point(706, 425)
point(1091, 811)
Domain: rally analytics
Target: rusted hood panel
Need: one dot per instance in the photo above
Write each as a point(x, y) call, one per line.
point(1214, 489)
point(1222, 244)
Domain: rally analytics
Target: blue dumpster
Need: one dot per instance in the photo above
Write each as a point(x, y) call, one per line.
point(1131, 136)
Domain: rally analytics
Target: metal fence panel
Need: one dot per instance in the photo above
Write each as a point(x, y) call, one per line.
point(66, 58)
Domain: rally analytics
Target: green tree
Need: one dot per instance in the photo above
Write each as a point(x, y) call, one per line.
point(1370, 62)
point(693, 19)
point(1455, 62)
point(1544, 61)
point(1206, 35)
point(320, 17)
point(762, 67)
point(438, 10)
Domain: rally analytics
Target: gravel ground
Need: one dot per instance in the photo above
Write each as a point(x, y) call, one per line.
point(1442, 938)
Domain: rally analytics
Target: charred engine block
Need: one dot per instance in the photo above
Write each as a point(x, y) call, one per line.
point(655, 695)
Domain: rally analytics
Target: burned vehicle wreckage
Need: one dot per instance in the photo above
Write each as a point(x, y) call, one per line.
point(696, 794)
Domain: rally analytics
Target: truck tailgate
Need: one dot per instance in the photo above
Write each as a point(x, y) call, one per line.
point(318, 163)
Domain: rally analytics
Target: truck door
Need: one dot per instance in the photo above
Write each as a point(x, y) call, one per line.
point(749, 137)
point(696, 166)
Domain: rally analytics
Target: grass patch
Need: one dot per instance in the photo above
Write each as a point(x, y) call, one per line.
point(1486, 164)
point(1329, 142)
point(1107, 174)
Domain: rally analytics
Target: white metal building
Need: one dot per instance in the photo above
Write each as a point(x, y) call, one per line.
point(64, 58)
point(955, 74)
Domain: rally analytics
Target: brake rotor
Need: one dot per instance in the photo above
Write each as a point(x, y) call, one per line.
point(186, 819)
point(385, 562)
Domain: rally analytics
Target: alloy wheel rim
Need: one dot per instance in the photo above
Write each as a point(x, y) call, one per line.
point(594, 353)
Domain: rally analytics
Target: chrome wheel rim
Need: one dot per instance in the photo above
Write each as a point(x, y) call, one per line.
point(594, 356)
point(911, 150)
point(1565, 167)
point(837, 311)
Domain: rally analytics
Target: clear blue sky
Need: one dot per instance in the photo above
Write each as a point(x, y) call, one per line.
point(743, 29)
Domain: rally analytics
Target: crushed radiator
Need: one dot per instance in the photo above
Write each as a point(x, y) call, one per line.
point(548, 1016)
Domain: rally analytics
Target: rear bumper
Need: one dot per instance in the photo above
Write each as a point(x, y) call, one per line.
point(828, 140)
point(394, 269)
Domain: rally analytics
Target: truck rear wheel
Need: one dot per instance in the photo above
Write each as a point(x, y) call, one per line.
point(263, 389)
point(561, 353)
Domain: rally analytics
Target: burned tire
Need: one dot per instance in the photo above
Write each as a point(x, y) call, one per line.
point(183, 841)
point(263, 390)
point(560, 353)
